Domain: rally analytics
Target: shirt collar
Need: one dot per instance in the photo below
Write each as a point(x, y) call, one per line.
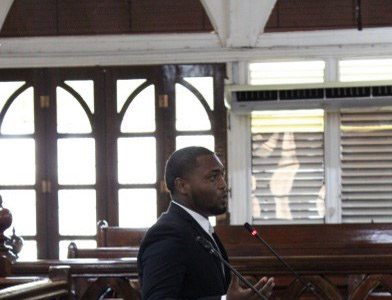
point(202, 221)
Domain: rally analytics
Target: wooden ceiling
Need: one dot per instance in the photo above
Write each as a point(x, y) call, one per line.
point(28, 18)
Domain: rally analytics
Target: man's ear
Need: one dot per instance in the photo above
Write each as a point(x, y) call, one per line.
point(182, 187)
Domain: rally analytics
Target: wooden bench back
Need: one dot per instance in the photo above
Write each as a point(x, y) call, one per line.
point(320, 239)
point(101, 252)
point(113, 236)
point(315, 239)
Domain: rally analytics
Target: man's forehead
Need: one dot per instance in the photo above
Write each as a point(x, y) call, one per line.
point(209, 160)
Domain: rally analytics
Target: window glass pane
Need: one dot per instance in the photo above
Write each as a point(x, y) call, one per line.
point(140, 115)
point(85, 88)
point(77, 212)
point(137, 160)
point(125, 88)
point(63, 246)
point(29, 251)
point(17, 161)
point(206, 141)
point(137, 207)
point(286, 72)
point(71, 117)
point(205, 86)
point(7, 89)
point(22, 205)
point(365, 69)
point(190, 113)
point(288, 167)
point(19, 118)
point(76, 161)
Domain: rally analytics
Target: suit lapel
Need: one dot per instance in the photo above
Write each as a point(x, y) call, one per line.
point(175, 209)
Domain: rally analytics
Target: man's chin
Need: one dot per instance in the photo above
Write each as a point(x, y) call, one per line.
point(221, 210)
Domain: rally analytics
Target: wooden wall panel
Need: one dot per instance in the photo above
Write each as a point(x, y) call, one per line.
point(376, 13)
point(310, 15)
point(27, 18)
point(73, 17)
point(93, 17)
point(169, 16)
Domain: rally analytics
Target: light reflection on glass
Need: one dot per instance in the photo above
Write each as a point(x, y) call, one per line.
point(29, 251)
point(22, 205)
point(17, 161)
point(7, 89)
point(282, 180)
point(140, 115)
point(137, 207)
point(85, 88)
point(137, 160)
point(19, 118)
point(190, 113)
point(125, 88)
point(206, 141)
point(71, 117)
point(77, 212)
point(205, 86)
point(76, 161)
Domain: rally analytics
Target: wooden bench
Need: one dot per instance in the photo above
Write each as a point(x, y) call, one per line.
point(342, 261)
point(56, 286)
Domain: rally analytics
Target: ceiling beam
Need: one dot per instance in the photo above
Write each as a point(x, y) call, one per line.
point(5, 6)
point(238, 23)
point(189, 48)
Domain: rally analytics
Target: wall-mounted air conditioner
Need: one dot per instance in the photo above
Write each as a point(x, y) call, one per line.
point(246, 98)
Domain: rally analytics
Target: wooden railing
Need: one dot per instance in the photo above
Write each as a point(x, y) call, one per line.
point(56, 286)
point(91, 278)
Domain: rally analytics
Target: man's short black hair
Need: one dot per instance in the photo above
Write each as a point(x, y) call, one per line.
point(182, 162)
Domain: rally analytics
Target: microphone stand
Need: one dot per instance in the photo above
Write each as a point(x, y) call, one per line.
point(207, 246)
point(307, 285)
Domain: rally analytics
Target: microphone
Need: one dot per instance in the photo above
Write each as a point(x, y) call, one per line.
point(210, 249)
point(254, 233)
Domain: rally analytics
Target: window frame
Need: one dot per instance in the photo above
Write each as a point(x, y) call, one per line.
point(45, 82)
point(240, 169)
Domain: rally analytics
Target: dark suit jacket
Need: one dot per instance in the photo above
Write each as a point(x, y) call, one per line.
point(172, 265)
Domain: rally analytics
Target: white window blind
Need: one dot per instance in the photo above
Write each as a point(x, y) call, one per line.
point(365, 69)
point(288, 167)
point(286, 72)
point(366, 155)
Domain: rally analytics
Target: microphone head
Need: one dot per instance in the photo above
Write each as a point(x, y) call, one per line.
point(250, 228)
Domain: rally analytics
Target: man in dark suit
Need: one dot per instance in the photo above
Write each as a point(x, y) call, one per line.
point(172, 265)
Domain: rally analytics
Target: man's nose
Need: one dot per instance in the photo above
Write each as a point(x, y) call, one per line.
point(222, 183)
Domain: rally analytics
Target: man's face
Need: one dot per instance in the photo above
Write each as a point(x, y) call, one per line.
point(207, 186)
